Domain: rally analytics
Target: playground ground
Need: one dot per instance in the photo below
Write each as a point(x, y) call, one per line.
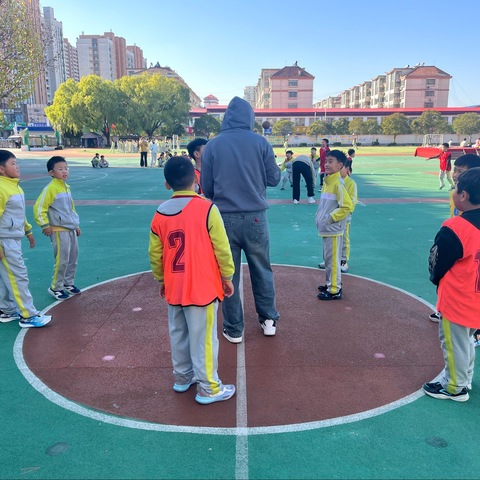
point(335, 394)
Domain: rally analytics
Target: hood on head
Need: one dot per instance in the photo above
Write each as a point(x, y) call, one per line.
point(239, 114)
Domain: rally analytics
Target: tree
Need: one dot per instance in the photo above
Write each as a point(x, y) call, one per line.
point(92, 103)
point(396, 124)
point(430, 121)
point(21, 52)
point(340, 126)
point(206, 125)
point(257, 128)
point(320, 127)
point(356, 126)
point(153, 101)
point(467, 124)
point(283, 127)
point(371, 127)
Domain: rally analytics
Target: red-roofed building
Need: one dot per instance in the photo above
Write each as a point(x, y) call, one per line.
point(210, 100)
point(291, 87)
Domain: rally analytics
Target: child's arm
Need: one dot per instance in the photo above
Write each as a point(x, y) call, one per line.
point(345, 205)
point(40, 210)
point(155, 252)
point(221, 246)
point(446, 250)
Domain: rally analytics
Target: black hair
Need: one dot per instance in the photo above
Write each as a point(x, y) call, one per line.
point(289, 151)
point(194, 146)
point(446, 145)
point(179, 173)
point(339, 155)
point(313, 148)
point(348, 164)
point(5, 156)
point(469, 181)
point(469, 160)
point(53, 161)
point(325, 140)
point(350, 151)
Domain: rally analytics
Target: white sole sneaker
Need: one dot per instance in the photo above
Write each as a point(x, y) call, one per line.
point(269, 327)
point(233, 339)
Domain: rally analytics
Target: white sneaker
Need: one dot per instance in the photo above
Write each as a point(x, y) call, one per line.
point(311, 199)
point(232, 339)
point(435, 317)
point(321, 265)
point(269, 327)
point(344, 267)
point(296, 202)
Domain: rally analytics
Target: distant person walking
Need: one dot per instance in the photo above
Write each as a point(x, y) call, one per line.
point(237, 167)
point(143, 147)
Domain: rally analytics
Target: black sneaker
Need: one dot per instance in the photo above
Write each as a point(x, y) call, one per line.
point(436, 390)
point(58, 294)
point(323, 288)
point(330, 296)
point(72, 289)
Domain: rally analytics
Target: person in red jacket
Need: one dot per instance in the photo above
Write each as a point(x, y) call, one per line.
point(454, 266)
point(324, 149)
point(445, 166)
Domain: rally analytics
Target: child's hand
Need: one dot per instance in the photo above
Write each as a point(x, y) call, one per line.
point(31, 240)
point(78, 231)
point(162, 291)
point(228, 288)
point(47, 231)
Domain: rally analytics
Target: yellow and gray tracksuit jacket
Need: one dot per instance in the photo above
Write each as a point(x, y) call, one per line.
point(334, 207)
point(55, 208)
point(351, 187)
point(13, 223)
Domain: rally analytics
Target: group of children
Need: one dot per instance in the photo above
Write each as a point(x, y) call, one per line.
point(54, 212)
point(99, 161)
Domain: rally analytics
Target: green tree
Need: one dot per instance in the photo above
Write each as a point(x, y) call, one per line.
point(356, 126)
point(257, 128)
point(21, 52)
point(467, 124)
point(152, 102)
point(396, 124)
point(430, 121)
point(206, 125)
point(340, 126)
point(283, 127)
point(371, 127)
point(320, 127)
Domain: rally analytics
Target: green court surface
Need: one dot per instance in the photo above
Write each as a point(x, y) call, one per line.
point(392, 231)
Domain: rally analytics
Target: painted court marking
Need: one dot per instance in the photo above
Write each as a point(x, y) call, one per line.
point(241, 431)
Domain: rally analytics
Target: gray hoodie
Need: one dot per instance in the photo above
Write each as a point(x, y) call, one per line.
point(238, 164)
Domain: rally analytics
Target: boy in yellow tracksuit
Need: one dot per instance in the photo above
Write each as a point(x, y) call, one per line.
point(351, 187)
point(334, 207)
point(55, 213)
point(15, 298)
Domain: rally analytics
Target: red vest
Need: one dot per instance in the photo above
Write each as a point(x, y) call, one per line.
point(191, 272)
point(459, 289)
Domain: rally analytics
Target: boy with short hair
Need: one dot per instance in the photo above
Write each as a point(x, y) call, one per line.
point(15, 298)
point(190, 257)
point(96, 160)
point(286, 168)
point(54, 212)
point(195, 149)
point(453, 266)
point(445, 166)
point(351, 187)
point(103, 162)
point(334, 207)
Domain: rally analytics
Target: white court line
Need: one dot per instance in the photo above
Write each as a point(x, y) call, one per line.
point(244, 432)
point(241, 443)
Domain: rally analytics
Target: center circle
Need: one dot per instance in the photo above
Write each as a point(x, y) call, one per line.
point(109, 350)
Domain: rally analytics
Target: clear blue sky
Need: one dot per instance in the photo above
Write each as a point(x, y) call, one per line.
point(220, 46)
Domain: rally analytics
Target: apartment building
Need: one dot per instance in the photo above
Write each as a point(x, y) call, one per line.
point(377, 98)
point(291, 87)
point(96, 55)
point(120, 52)
point(365, 94)
point(54, 52)
point(135, 55)
point(70, 58)
point(249, 95)
point(424, 86)
point(329, 102)
point(262, 90)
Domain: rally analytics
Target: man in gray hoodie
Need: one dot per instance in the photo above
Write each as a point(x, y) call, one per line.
point(237, 167)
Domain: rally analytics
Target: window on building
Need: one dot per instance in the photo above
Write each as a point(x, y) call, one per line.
point(428, 105)
point(430, 93)
point(430, 81)
point(292, 105)
point(293, 83)
point(292, 94)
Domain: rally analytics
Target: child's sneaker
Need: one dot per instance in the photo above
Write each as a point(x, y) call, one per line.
point(436, 390)
point(435, 317)
point(183, 387)
point(322, 288)
point(321, 265)
point(311, 200)
point(72, 289)
point(344, 266)
point(35, 322)
point(9, 317)
point(231, 338)
point(58, 294)
point(226, 392)
point(330, 296)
